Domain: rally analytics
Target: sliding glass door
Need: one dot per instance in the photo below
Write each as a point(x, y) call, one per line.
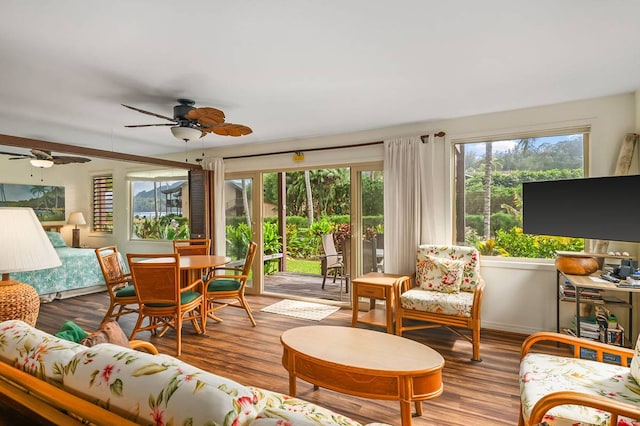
point(241, 209)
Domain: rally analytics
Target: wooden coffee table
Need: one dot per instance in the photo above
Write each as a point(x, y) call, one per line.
point(364, 363)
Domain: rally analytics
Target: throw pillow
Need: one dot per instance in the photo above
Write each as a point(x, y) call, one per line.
point(109, 332)
point(440, 274)
point(56, 239)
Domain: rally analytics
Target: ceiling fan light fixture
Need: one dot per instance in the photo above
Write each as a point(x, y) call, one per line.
point(44, 164)
point(186, 133)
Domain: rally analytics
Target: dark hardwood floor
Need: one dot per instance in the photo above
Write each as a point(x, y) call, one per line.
point(484, 393)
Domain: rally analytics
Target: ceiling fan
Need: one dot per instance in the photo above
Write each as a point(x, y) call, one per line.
point(189, 123)
point(44, 159)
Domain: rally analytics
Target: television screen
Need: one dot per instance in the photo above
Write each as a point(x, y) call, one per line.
point(603, 208)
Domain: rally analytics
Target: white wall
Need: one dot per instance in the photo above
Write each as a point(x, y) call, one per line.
point(519, 297)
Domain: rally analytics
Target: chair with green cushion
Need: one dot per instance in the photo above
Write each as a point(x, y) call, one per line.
point(229, 284)
point(162, 299)
point(122, 293)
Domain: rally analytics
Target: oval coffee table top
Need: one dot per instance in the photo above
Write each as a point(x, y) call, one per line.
point(362, 349)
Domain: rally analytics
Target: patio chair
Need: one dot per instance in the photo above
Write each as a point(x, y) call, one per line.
point(122, 293)
point(333, 259)
point(447, 291)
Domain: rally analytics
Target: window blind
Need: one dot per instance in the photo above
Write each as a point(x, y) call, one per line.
point(103, 204)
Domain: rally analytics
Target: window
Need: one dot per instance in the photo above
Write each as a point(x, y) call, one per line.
point(160, 205)
point(102, 204)
point(488, 186)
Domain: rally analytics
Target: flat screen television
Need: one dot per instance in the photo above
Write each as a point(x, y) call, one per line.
point(603, 208)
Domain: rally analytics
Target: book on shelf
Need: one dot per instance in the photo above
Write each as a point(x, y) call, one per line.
point(568, 291)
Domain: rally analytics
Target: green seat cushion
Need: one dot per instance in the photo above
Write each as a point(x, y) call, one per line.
point(128, 291)
point(186, 297)
point(223, 285)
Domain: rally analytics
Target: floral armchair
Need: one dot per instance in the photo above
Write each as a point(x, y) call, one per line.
point(447, 291)
point(595, 384)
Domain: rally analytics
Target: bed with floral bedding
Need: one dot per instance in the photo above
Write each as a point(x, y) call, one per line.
point(79, 273)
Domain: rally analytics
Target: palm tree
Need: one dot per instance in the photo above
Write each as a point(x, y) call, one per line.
point(486, 183)
point(38, 192)
point(307, 185)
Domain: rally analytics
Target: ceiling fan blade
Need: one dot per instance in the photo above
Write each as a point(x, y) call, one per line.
point(229, 129)
point(69, 160)
point(206, 116)
point(42, 154)
point(149, 113)
point(151, 125)
point(16, 156)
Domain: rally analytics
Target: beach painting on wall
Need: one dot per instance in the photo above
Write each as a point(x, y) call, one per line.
point(46, 201)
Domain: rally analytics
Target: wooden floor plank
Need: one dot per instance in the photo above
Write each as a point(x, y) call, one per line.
point(484, 393)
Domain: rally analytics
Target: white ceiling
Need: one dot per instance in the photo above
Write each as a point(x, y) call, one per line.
point(299, 68)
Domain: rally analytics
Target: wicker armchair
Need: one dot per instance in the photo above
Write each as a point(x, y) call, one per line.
point(602, 389)
point(456, 306)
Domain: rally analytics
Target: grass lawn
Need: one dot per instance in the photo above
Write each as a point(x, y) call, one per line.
point(303, 266)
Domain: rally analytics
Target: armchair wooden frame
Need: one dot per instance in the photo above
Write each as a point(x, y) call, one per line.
point(223, 287)
point(162, 299)
point(472, 322)
point(615, 408)
point(116, 280)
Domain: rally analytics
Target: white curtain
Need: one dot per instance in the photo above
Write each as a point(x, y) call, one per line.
point(414, 200)
point(216, 165)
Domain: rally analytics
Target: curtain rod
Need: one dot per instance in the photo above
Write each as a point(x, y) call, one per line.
point(324, 148)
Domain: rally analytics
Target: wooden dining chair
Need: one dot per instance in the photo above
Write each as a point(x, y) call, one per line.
point(163, 301)
point(122, 293)
point(193, 247)
point(229, 283)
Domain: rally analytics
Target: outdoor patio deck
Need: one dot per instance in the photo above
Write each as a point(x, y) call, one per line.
point(305, 285)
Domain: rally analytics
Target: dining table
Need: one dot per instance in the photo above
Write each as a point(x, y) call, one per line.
point(198, 265)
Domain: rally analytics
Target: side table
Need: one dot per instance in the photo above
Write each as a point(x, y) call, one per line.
point(375, 286)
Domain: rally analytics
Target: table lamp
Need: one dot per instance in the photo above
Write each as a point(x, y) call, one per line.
point(25, 247)
point(602, 208)
point(76, 218)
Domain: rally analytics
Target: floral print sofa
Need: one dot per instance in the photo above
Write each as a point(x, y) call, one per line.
point(150, 389)
point(581, 389)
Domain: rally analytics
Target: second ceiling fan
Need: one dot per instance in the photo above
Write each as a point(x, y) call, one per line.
point(190, 123)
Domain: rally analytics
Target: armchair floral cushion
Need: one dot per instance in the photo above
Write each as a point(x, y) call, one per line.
point(543, 374)
point(458, 304)
point(468, 255)
point(439, 274)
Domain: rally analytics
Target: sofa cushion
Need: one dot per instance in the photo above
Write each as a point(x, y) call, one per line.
point(157, 389)
point(274, 408)
point(35, 352)
point(542, 374)
point(458, 304)
point(439, 274)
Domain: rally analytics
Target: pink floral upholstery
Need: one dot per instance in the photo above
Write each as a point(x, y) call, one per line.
point(468, 255)
point(439, 274)
point(35, 352)
point(153, 389)
point(542, 374)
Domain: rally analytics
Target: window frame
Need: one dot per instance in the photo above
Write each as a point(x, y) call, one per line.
point(102, 205)
point(456, 201)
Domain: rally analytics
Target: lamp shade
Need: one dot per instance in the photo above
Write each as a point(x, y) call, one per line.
point(76, 218)
point(25, 245)
point(186, 133)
